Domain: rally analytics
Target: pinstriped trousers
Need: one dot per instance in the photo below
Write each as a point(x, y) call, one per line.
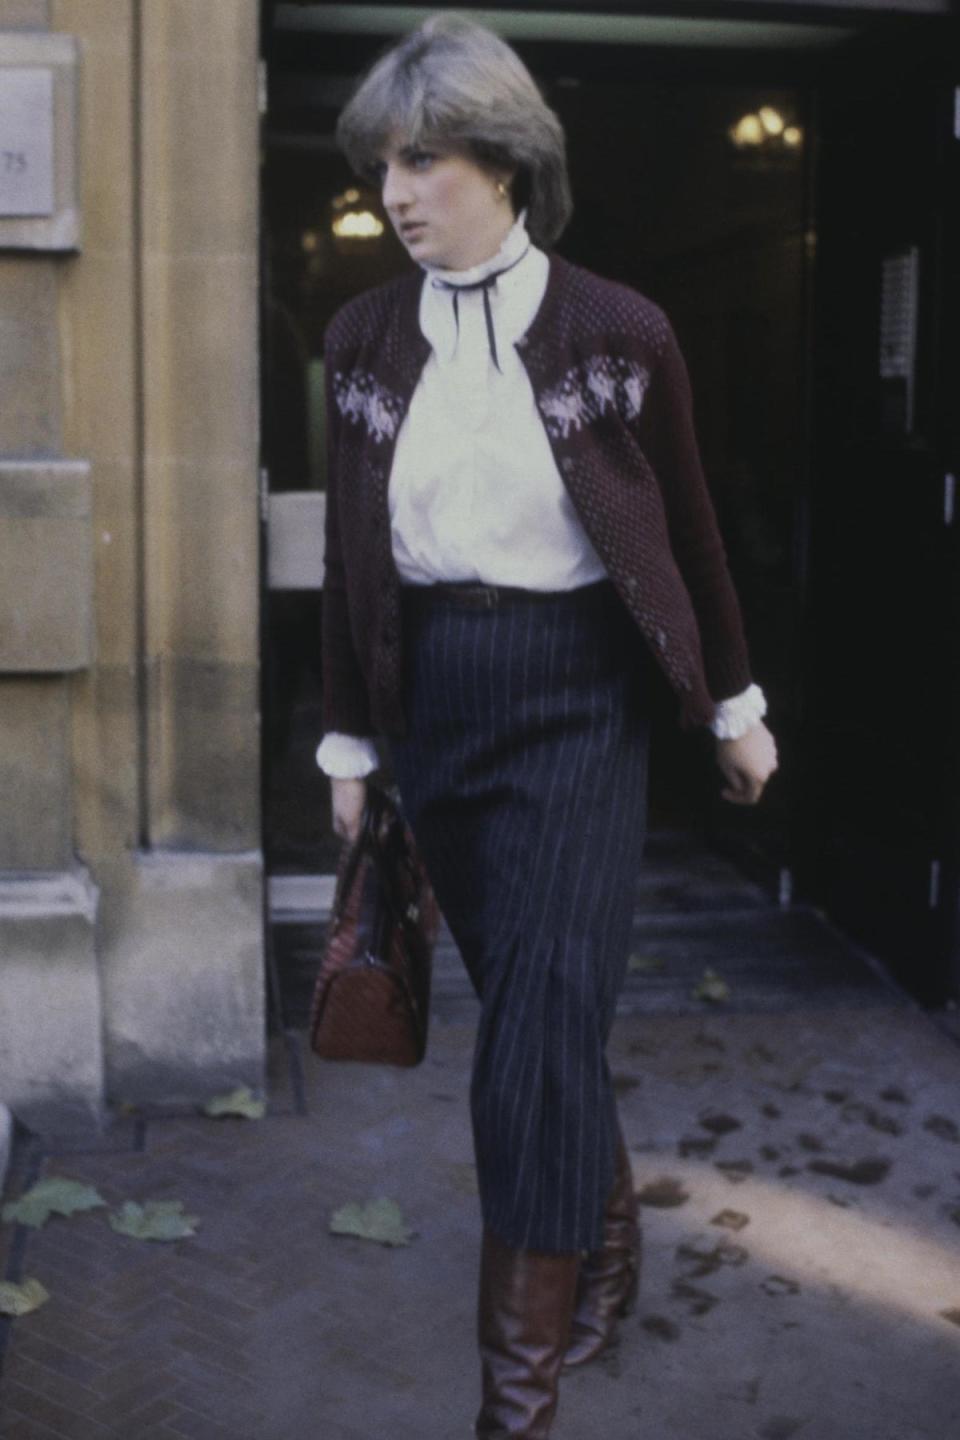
point(523, 776)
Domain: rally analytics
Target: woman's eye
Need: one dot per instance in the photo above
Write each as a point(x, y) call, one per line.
point(421, 159)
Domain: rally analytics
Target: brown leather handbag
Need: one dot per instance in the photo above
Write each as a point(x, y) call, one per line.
point(371, 1001)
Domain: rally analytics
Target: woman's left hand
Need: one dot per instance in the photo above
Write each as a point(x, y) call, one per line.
point(747, 764)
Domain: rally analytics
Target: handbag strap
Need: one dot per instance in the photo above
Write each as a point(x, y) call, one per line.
point(385, 848)
point(364, 843)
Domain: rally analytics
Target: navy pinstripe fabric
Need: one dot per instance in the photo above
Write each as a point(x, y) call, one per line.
point(524, 778)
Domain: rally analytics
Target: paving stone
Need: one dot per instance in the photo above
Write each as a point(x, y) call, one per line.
point(264, 1326)
point(62, 1419)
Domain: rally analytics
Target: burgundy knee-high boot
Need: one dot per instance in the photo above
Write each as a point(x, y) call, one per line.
point(609, 1277)
point(524, 1314)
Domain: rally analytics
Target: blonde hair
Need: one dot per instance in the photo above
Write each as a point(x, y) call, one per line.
point(453, 81)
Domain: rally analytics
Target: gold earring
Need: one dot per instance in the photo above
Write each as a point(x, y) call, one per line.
point(501, 190)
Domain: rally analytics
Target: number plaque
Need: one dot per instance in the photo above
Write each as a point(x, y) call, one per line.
point(39, 161)
point(26, 141)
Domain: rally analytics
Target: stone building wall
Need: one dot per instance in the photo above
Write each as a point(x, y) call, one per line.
point(130, 868)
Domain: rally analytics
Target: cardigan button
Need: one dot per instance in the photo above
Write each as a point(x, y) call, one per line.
point(661, 639)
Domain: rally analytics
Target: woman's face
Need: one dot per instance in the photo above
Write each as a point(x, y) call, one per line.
point(446, 209)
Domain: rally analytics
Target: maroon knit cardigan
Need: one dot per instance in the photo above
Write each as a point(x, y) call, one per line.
point(612, 390)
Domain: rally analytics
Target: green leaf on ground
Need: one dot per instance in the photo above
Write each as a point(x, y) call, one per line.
point(237, 1102)
point(153, 1220)
point(21, 1299)
point(712, 987)
point(55, 1195)
point(645, 964)
point(380, 1221)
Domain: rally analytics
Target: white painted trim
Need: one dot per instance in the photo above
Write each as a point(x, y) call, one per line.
point(295, 539)
point(299, 897)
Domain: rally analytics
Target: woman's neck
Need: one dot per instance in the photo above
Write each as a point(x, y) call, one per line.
point(512, 245)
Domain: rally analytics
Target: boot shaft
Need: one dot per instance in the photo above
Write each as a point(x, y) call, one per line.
point(523, 1321)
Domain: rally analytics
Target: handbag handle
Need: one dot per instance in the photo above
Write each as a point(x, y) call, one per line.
point(354, 855)
point(367, 843)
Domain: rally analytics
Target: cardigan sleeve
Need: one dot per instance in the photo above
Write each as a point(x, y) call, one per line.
point(346, 706)
point(666, 433)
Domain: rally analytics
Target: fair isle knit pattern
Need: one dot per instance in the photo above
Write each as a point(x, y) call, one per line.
point(589, 390)
point(364, 401)
point(631, 467)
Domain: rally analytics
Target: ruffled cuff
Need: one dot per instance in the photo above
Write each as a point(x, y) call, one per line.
point(346, 757)
point(738, 713)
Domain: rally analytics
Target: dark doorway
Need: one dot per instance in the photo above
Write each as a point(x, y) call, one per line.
point(879, 811)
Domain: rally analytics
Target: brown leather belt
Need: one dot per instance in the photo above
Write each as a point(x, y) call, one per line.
point(483, 597)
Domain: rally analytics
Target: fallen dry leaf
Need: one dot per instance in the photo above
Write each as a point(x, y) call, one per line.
point(701, 1302)
point(859, 1172)
point(661, 1327)
point(943, 1127)
point(712, 987)
point(731, 1220)
point(717, 1123)
point(696, 1145)
point(779, 1285)
point(664, 1193)
point(736, 1171)
point(809, 1142)
point(706, 1258)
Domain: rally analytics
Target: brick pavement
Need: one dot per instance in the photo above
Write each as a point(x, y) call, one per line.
point(821, 1319)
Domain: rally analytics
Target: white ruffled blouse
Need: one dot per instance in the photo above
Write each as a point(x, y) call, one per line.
point(474, 493)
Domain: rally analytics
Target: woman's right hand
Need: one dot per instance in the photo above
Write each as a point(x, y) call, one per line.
point(348, 799)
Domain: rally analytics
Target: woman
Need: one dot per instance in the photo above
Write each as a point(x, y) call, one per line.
point(520, 546)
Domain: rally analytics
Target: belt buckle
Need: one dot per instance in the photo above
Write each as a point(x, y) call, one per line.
point(477, 596)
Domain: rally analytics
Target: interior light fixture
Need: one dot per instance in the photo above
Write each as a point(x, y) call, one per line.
point(357, 225)
point(765, 130)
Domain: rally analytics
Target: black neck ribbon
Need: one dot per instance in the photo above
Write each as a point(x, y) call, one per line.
point(485, 285)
